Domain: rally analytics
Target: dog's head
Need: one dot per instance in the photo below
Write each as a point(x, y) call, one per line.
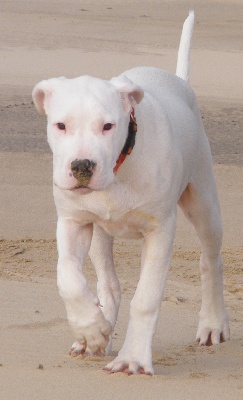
point(87, 127)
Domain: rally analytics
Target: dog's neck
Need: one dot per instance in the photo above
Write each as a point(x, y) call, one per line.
point(130, 141)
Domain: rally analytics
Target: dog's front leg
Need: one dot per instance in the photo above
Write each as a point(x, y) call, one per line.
point(136, 353)
point(108, 287)
point(84, 315)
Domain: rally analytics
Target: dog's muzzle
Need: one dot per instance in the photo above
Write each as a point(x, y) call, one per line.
point(82, 171)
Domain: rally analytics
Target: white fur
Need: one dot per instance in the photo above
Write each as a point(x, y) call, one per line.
point(170, 164)
point(183, 60)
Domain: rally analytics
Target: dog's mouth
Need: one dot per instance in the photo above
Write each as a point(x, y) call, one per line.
point(80, 187)
point(76, 188)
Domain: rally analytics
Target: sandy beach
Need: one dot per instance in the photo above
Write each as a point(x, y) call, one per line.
point(40, 40)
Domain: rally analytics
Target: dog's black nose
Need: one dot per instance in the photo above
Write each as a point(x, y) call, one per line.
point(82, 168)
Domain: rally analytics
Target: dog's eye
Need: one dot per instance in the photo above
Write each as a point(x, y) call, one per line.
point(107, 127)
point(61, 126)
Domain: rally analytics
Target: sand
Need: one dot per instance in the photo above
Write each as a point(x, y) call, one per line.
point(42, 39)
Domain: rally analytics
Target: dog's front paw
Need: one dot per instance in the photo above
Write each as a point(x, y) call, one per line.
point(130, 365)
point(77, 349)
point(213, 330)
point(93, 335)
point(81, 349)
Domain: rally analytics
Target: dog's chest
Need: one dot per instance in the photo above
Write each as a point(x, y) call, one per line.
point(120, 217)
point(132, 225)
point(123, 216)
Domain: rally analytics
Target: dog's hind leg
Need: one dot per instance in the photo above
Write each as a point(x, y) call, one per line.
point(199, 203)
point(108, 287)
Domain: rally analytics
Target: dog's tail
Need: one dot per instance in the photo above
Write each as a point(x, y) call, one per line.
point(183, 61)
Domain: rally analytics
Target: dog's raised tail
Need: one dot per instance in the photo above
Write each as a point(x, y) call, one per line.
point(183, 60)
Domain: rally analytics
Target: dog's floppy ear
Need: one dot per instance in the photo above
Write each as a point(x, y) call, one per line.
point(130, 93)
point(42, 93)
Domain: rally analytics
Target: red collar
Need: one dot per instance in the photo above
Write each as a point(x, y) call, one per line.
point(130, 142)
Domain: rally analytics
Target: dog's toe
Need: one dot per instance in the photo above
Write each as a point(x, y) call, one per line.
point(130, 368)
point(77, 349)
point(209, 337)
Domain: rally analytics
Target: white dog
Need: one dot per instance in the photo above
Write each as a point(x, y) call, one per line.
point(100, 193)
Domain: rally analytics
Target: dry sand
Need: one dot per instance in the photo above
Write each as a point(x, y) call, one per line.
point(41, 39)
